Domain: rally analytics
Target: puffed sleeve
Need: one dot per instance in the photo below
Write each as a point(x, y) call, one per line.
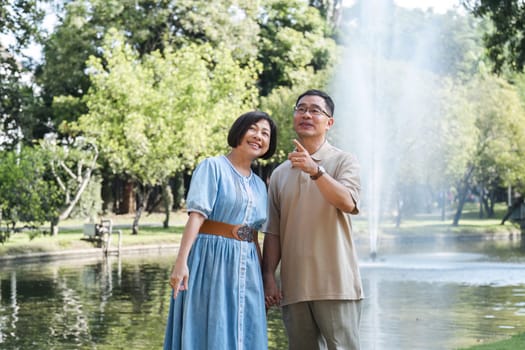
point(203, 188)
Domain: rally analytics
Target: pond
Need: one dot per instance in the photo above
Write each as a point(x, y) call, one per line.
point(431, 293)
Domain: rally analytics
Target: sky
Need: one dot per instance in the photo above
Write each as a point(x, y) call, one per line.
point(439, 6)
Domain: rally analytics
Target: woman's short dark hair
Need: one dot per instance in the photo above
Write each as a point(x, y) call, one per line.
point(244, 122)
point(327, 99)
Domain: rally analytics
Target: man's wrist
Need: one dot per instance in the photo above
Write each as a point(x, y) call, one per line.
point(320, 172)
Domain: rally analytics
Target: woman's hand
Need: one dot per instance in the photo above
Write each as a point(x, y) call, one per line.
point(180, 272)
point(179, 277)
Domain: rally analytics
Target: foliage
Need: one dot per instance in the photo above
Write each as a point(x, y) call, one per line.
point(21, 19)
point(501, 145)
point(79, 34)
point(160, 96)
point(20, 22)
point(71, 163)
point(489, 116)
point(295, 43)
point(43, 183)
point(160, 114)
point(506, 42)
point(90, 203)
point(289, 39)
point(454, 137)
point(146, 115)
point(228, 23)
point(17, 104)
point(26, 193)
point(260, 37)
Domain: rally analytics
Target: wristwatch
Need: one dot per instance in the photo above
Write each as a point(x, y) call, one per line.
point(320, 172)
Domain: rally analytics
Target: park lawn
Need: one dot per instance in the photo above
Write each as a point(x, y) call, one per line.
point(431, 223)
point(514, 343)
point(151, 231)
point(70, 237)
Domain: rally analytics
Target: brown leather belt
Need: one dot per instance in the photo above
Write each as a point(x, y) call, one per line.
point(239, 232)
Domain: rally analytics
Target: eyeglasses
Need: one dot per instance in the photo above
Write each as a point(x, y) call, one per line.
point(314, 111)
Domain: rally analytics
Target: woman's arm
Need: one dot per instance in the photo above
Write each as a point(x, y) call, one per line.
point(180, 273)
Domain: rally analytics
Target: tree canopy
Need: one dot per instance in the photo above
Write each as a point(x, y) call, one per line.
point(155, 85)
point(20, 23)
point(506, 41)
point(159, 115)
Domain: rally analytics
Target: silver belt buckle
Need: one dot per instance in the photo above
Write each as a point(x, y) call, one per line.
point(245, 233)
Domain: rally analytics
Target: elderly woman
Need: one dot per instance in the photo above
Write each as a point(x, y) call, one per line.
point(218, 296)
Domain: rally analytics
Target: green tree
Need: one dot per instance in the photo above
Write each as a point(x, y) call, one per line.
point(71, 165)
point(19, 21)
point(495, 151)
point(295, 42)
point(454, 140)
point(231, 24)
point(505, 43)
point(148, 26)
point(159, 115)
point(27, 192)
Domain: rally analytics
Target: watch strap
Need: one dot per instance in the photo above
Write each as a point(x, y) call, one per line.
point(320, 172)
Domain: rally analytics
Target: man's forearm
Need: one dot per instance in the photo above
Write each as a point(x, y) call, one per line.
point(335, 193)
point(271, 254)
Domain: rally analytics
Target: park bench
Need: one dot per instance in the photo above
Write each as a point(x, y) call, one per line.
point(102, 233)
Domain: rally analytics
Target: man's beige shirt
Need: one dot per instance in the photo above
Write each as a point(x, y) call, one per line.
point(318, 256)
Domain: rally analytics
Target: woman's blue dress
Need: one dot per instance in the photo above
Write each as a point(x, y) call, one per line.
point(223, 308)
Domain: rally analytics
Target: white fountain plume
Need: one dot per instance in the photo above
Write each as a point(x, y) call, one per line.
point(385, 105)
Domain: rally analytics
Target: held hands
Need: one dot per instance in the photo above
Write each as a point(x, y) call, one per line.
point(179, 278)
point(301, 159)
point(272, 294)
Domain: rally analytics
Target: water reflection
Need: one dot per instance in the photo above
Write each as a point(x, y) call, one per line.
point(99, 304)
point(453, 292)
point(443, 293)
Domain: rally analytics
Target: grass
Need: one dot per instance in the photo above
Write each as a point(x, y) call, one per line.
point(152, 233)
point(70, 235)
point(422, 224)
point(514, 343)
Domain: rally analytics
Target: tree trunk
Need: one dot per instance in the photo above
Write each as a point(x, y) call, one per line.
point(462, 194)
point(167, 198)
point(85, 181)
point(490, 202)
point(128, 200)
point(54, 226)
point(143, 200)
point(481, 199)
point(461, 203)
point(515, 205)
